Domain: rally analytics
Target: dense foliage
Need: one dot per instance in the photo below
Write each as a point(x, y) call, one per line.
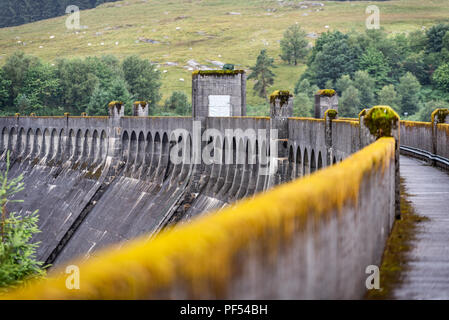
point(17, 254)
point(16, 12)
point(28, 84)
point(409, 72)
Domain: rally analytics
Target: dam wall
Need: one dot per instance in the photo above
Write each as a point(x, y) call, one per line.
point(312, 238)
point(103, 180)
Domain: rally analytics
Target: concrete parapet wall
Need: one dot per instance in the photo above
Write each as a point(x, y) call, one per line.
point(417, 135)
point(103, 180)
point(299, 240)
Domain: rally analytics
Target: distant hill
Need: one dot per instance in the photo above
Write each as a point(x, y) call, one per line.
point(181, 35)
point(17, 12)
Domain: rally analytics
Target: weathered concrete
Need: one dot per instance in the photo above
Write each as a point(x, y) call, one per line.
point(426, 275)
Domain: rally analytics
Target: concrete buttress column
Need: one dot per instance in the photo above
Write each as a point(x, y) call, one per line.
point(378, 122)
point(438, 116)
point(329, 115)
point(116, 112)
point(324, 100)
point(281, 108)
point(140, 109)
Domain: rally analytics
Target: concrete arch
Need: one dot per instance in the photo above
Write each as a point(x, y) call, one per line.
point(125, 146)
point(54, 143)
point(78, 145)
point(29, 148)
point(95, 147)
point(103, 145)
point(312, 162)
point(62, 145)
point(71, 144)
point(320, 161)
point(140, 149)
point(291, 164)
point(5, 139)
point(132, 148)
point(305, 163)
point(87, 142)
point(21, 141)
point(12, 139)
point(46, 143)
point(298, 162)
point(38, 142)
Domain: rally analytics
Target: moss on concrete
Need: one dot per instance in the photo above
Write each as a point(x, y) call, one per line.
point(282, 95)
point(396, 255)
point(217, 72)
point(330, 113)
point(326, 92)
point(440, 115)
point(380, 121)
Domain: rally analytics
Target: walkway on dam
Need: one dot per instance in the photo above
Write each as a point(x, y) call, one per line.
point(427, 274)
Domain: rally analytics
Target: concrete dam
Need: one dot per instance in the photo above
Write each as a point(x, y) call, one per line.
point(254, 231)
point(104, 180)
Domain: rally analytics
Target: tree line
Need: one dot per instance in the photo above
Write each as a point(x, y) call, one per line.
point(31, 85)
point(17, 12)
point(409, 72)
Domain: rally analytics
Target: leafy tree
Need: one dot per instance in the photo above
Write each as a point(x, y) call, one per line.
point(329, 84)
point(303, 106)
point(350, 103)
point(415, 63)
point(435, 37)
point(143, 80)
point(426, 110)
point(441, 77)
point(77, 80)
point(101, 97)
point(389, 97)
point(41, 89)
point(5, 86)
point(417, 41)
point(15, 71)
point(294, 45)
point(17, 255)
point(333, 56)
point(373, 62)
point(262, 74)
point(366, 86)
point(179, 103)
point(304, 86)
point(408, 89)
point(343, 83)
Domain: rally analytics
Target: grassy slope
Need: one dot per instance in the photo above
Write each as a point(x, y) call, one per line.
point(237, 38)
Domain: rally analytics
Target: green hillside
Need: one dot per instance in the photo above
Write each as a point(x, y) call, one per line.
point(172, 33)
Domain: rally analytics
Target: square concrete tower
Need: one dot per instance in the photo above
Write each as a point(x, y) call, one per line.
point(325, 99)
point(218, 93)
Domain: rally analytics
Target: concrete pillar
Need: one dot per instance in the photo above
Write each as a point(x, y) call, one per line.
point(218, 93)
point(140, 109)
point(325, 99)
point(438, 116)
point(281, 108)
point(378, 122)
point(116, 112)
point(116, 109)
point(329, 115)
